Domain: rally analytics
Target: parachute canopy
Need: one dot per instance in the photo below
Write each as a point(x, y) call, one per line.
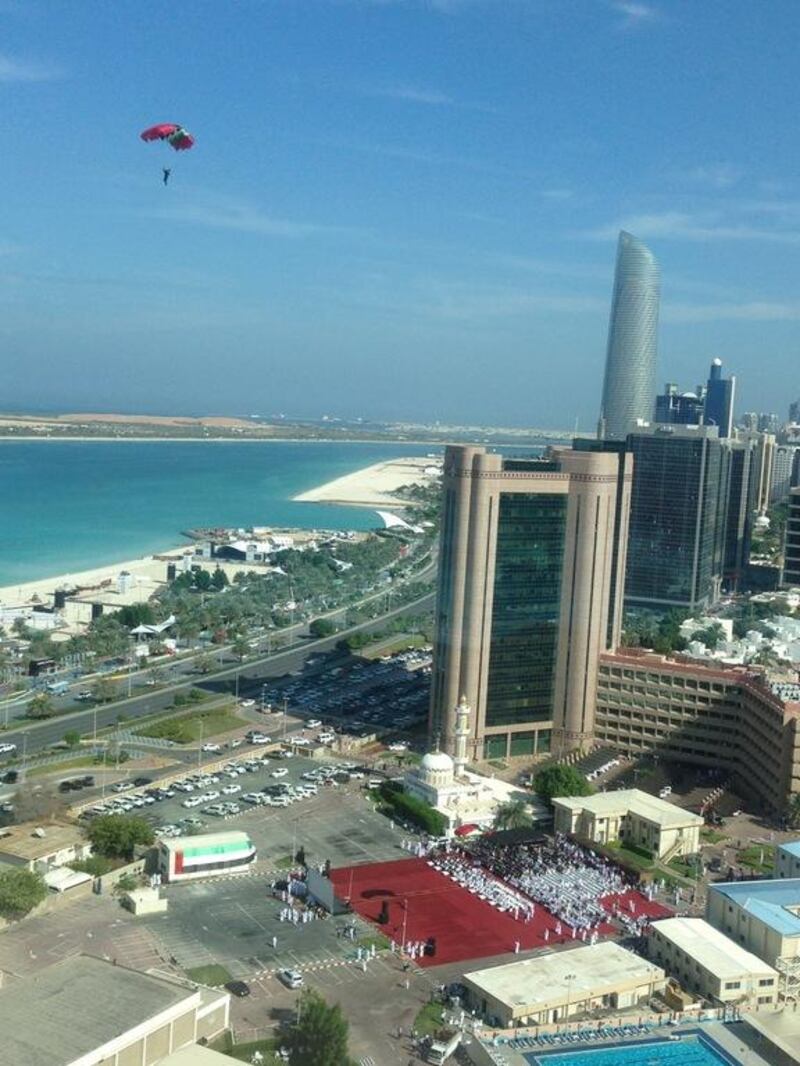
point(176, 136)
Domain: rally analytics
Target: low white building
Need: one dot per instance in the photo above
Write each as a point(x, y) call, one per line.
point(710, 964)
point(551, 988)
point(205, 855)
point(633, 817)
point(787, 859)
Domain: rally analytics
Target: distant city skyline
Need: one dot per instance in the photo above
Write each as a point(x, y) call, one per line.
point(397, 210)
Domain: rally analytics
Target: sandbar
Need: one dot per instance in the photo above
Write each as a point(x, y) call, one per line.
point(373, 486)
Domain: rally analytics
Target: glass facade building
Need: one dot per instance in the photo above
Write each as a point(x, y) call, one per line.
point(678, 527)
point(629, 385)
point(525, 600)
point(526, 606)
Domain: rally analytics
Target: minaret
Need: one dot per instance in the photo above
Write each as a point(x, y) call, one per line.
point(463, 711)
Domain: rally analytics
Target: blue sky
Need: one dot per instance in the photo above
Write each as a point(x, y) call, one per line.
point(395, 208)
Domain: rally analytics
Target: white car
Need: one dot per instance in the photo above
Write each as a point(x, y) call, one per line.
point(280, 772)
point(211, 747)
point(258, 738)
point(231, 790)
point(300, 740)
point(247, 703)
point(313, 723)
point(398, 745)
point(193, 801)
point(209, 796)
point(253, 797)
point(326, 738)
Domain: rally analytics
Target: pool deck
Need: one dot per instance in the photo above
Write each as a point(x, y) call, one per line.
point(735, 1041)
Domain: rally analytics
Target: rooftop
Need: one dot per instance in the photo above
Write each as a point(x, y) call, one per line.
point(644, 805)
point(772, 902)
point(47, 1020)
point(206, 841)
point(579, 972)
point(31, 840)
point(714, 951)
point(791, 847)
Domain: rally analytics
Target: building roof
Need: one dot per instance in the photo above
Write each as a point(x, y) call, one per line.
point(206, 840)
point(50, 1019)
point(578, 973)
point(772, 902)
point(713, 950)
point(791, 847)
point(32, 841)
point(195, 1055)
point(436, 760)
point(642, 804)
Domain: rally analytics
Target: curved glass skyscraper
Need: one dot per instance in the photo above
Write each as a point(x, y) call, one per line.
point(629, 386)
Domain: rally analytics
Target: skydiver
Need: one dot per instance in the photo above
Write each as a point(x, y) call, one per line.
point(167, 172)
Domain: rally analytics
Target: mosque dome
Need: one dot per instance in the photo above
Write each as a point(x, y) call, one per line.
point(436, 762)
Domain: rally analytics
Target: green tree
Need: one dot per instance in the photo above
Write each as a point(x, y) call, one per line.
point(240, 648)
point(72, 738)
point(219, 580)
point(126, 883)
point(322, 627)
point(41, 706)
point(513, 815)
point(116, 835)
point(135, 614)
point(320, 1035)
point(20, 891)
point(104, 690)
point(558, 780)
point(204, 664)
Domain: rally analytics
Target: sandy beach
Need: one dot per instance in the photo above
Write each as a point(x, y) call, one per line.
point(373, 486)
point(148, 570)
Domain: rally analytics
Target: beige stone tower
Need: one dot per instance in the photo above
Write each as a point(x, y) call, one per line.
point(526, 599)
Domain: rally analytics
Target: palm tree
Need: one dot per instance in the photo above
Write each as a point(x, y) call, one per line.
point(513, 815)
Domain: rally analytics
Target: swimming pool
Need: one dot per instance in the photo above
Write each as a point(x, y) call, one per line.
point(688, 1051)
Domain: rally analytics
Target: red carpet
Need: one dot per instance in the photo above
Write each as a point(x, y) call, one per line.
point(642, 905)
point(431, 905)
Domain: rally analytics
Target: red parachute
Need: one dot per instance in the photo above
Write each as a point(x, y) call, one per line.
point(176, 136)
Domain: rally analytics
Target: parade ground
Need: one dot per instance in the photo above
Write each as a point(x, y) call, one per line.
point(424, 904)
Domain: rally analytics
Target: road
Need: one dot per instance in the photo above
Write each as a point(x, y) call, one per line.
point(37, 736)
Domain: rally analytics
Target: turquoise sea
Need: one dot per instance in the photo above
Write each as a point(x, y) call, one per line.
point(72, 505)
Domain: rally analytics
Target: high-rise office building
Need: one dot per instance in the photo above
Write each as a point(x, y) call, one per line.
point(720, 396)
point(742, 491)
point(678, 515)
point(784, 471)
point(629, 385)
point(790, 571)
point(680, 408)
point(525, 595)
point(794, 412)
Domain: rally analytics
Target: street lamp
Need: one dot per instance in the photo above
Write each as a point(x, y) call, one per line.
point(569, 978)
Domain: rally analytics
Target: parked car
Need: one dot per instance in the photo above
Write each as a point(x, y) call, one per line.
point(238, 988)
point(291, 978)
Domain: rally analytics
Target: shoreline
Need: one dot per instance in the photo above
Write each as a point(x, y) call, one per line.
point(404, 441)
point(149, 567)
point(367, 488)
point(372, 486)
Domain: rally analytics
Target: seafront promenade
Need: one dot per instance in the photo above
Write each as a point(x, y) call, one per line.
point(370, 487)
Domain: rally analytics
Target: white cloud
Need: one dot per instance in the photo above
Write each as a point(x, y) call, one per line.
point(715, 175)
point(416, 95)
point(13, 70)
point(634, 13)
point(222, 213)
point(750, 311)
point(678, 225)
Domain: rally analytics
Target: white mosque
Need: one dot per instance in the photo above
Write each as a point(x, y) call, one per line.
point(445, 783)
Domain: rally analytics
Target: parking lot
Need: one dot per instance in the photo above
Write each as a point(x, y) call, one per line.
point(358, 695)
